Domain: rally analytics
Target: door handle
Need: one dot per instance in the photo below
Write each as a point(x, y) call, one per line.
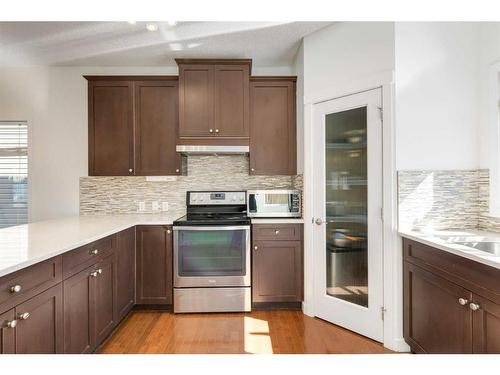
point(319, 221)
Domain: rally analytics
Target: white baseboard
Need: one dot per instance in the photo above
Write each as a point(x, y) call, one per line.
point(398, 345)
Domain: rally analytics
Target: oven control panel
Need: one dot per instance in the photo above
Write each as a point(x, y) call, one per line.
point(216, 197)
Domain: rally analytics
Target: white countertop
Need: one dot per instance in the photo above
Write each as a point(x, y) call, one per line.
point(443, 240)
point(284, 220)
point(24, 245)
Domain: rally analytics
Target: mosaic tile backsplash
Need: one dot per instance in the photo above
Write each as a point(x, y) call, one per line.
point(438, 199)
point(121, 195)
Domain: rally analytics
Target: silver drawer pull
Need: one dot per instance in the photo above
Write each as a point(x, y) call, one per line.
point(256, 248)
point(94, 252)
point(463, 301)
point(474, 306)
point(94, 274)
point(23, 316)
point(16, 288)
point(11, 323)
point(276, 231)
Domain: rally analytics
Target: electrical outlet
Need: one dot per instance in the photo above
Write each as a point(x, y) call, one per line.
point(142, 206)
point(164, 206)
point(155, 206)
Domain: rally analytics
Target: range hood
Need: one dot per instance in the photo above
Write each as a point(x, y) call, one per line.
point(212, 150)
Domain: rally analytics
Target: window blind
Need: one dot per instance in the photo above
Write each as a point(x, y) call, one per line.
point(13, 173)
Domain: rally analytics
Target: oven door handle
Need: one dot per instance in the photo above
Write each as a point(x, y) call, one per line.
point(213, 228)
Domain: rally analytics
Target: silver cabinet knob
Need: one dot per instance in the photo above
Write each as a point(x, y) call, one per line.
point(256, 248)
point(463, 301)
point(210, 130)
point(11, 323)
point(276, 232)
point(216, 130)
point(23, 316)
point(130, 170)
point(252, 169)
point(318, 221)
point(99, 271)
point(474, 306)
point(94, 252)
point(169, 231)
point(177, 171)
point(94, 273)
point(16, 288)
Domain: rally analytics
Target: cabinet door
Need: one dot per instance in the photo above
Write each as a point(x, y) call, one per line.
point(434, 320)
point(7, 332)
point(78, 336)
point(154, 265)
point(111, 133)
point(156, 123)
point(40, 323)
point(231, 100)
point(103, 303)
point(486, 326)
point(273, 140)
point(196, 100)
point(125, 272)
point(277, 271)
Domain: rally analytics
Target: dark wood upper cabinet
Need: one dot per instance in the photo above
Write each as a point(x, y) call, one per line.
point(273, 139)
point(125, 272)
point(40, 323)
point(435, 321)
point(214, 101)
point(133, 122)
point(196, 100)
point(7, 332)
point(156, 124)
point(154, 265)
point(277, 247)
point(111, 128)
point(231, 100)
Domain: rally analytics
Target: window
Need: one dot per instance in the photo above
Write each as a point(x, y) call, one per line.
point(13, 173)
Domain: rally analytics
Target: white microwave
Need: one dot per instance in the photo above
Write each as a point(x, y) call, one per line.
point(274, 203)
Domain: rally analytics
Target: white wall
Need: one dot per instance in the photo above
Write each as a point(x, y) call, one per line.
point(298, 70)
point(437, 95)
point(54, 102)
point(344, 52)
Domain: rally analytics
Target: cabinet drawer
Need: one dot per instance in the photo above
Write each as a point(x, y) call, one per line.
point(85, 256)
point(270, 232)
point(30, 281)
point(475, 276)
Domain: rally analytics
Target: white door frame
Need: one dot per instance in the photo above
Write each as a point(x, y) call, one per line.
point(393, 272)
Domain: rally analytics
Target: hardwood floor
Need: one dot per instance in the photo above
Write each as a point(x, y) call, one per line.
point(277, 331)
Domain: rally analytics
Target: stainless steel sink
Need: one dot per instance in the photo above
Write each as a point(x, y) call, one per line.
point(488, 247)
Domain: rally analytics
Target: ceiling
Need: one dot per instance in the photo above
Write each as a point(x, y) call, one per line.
point(126, 44)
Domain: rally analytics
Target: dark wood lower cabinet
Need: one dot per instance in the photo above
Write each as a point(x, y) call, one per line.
point(435, 321)
point(277, 271)
point(7, 332)
point(39, 327)
point(125, 273)
point(103, 300)
point(78, 335)
point(486, 323)
point(154, 265)
point(445, 305)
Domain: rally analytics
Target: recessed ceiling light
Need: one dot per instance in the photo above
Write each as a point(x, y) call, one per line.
point(151, 27)
point(171, 23)
point(132, 22)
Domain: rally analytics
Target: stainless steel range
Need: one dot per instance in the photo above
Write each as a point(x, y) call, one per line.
point(212, 254)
